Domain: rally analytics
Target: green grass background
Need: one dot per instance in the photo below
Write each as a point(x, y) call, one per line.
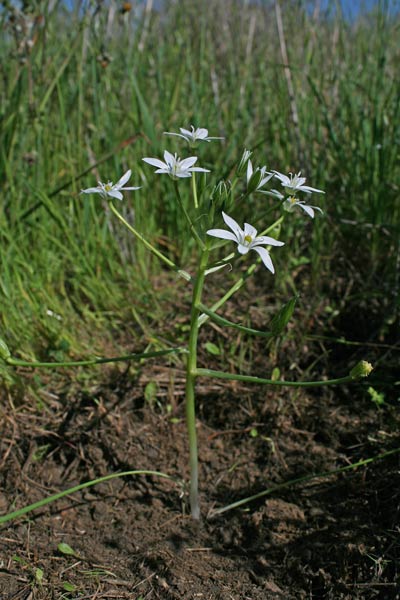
point(98, 86)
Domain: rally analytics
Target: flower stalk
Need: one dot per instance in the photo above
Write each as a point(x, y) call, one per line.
point(191, 374)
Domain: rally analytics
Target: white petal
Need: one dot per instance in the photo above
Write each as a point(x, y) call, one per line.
point(115, 194)
point(169, 158)
point(182, 174)
point(265, 180)
point(186, 163)
point(177, 134)
point(265, 239)
point(201, 133)
point(222, 233)
point(199, 169)
point(130, 189)
point(298, 181)
point(284, 178)
point(265, 257)
point(155, 162)
point(277, 193)
point(306, 209)
point(308, 189)
point(186, 132)
point(249, 171)
point(95, 190)
point(124, 179)
point(237, 230)
point(242, 249)
point(164, 170)
point(250, 230)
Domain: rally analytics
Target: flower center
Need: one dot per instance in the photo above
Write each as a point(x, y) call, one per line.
point(108, 186)
point(292, 199)
point(248, 239)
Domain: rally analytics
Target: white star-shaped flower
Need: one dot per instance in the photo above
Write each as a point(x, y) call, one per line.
point(174, 166)
point(195, 135)
point(110, 189)
point(294, 183)
point(291, 202)
point(246, 239)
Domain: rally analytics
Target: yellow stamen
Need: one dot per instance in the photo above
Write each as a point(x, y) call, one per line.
point(248, 239)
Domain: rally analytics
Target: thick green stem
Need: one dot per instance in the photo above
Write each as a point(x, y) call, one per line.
point(191, 373)
point(150, 247)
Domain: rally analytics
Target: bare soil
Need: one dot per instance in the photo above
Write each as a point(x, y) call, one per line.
point(333, 537)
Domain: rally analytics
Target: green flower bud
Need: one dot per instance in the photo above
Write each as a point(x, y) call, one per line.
point(4, 351)
point(242, 166)
point(362, 369)
point(221, 195)
point(254, 181)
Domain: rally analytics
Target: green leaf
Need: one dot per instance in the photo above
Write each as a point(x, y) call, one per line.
point(280, 320)
point(212, 349)
point(276, 374)
point(4, 351)
point(39, 575)
point(66, 549)
point(377, 397)
point(150, 392)
point(69, 587)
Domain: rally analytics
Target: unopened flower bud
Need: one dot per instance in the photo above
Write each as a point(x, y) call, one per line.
point(221, 195)
point(254, 180)
point(242, 166)
point(362, 369)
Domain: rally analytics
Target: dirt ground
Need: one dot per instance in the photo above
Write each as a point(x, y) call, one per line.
point(333, 537)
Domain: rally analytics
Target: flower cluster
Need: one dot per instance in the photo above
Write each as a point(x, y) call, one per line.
point(246, 238)
point(293, 184)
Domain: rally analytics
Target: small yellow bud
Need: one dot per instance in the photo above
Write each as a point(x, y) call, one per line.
point(362, 369)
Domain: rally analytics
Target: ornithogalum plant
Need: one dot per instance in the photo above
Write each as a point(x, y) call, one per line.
point(203, 215)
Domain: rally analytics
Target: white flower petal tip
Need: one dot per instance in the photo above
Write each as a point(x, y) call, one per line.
point(193, 135)
point(112, 190)
point(174, 166)
point(246, 239)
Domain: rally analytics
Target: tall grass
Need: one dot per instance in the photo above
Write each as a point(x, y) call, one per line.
point(97, 86)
